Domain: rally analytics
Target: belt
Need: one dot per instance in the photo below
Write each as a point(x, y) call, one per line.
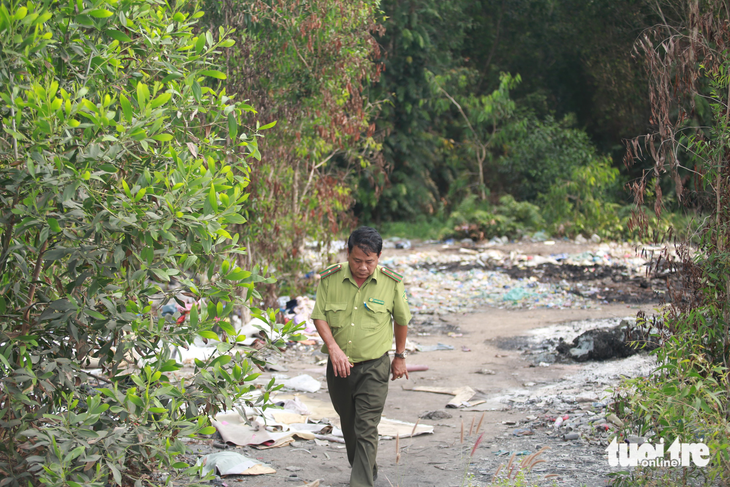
point(370, 361)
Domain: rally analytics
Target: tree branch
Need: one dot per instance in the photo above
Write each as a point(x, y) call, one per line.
point(31, 293)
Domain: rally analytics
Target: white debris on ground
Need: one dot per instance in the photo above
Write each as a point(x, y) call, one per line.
point(567, 423)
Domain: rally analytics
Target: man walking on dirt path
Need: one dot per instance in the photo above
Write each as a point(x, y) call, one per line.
point(360, 306)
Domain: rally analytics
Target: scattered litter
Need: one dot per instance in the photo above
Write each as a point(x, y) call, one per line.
point(435, 390)
point(612, 418)
point(432, 415)
point(390, 428)
point(232, 463)
point(314, 483)
point(433, 348)
point(444, 282)
point(234, 429)
point(486, 372)
point(304, 383)
point(461, 397)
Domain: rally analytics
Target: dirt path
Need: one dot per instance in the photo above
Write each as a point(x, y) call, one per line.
point(440, 459)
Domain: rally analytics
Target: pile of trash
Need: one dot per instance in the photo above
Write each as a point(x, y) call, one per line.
point(456, 279)
point(293, 419)
point(463, 279)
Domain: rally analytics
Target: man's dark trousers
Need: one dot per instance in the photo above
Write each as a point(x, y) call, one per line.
point(359, 399)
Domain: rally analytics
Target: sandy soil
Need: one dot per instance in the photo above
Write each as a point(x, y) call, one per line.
point(438, 459)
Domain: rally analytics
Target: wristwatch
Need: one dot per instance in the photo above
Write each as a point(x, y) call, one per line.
point(400, 355)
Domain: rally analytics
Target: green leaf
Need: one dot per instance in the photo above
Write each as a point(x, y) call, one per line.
point(84, 20)
point(268, 125)
point(208, 334)
point(208, 430)
point(161, 274)
point(213, 198)
point(143, 95)
point(232, 125)
point(200, 44)
point(117, 35)
point(194, 318)
point(126, 108)
point(163, 137)
point(126, 189)
point(234, 218)
point(161, 100)
point(171, 77)
point(197, 91)
point(101, 13)
point(227, 327)
point(237, 274)
point(55, 227)
point(20, 13)
point(212, 73)
point(94, 314)
point(221, 360)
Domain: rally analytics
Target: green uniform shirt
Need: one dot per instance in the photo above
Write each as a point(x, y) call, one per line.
point(360, 318)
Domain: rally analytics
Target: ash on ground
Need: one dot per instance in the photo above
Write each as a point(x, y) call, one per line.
point(568, 425)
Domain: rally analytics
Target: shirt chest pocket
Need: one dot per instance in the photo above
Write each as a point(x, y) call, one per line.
point(375, 315)
point(336, 314)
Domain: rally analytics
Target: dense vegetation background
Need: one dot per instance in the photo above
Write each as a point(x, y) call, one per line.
point(433, 120)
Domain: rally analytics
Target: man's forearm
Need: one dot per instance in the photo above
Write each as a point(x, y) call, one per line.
point(323, 328)
point(400, 332)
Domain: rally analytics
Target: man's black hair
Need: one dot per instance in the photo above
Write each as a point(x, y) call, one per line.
point(368, 239)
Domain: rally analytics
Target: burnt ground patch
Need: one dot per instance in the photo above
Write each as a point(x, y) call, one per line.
point(433, 327)
point(594, 344)
point(602, 283)
point(610, 284)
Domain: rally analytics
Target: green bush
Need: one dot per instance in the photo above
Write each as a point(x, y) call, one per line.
point(685, 399)
point(121, 170)
point(480, 220)
point(584, 203)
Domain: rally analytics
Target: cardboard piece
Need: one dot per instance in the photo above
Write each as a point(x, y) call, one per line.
point(232, 463)
point(233, 429)
point(461, 397)
point(393, 428)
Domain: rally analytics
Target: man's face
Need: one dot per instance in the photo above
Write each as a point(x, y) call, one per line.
point(361, 263)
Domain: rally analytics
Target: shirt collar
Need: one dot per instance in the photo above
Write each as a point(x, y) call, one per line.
point(348, 274)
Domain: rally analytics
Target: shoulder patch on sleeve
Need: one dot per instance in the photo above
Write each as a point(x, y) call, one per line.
point(330, 270)
point(392, 274)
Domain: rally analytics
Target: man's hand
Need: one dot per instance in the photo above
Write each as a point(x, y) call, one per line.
point(398, 368)
point(340, 363)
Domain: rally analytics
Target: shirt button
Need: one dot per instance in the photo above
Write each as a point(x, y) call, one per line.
point(350, 341)
point(355, 307)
